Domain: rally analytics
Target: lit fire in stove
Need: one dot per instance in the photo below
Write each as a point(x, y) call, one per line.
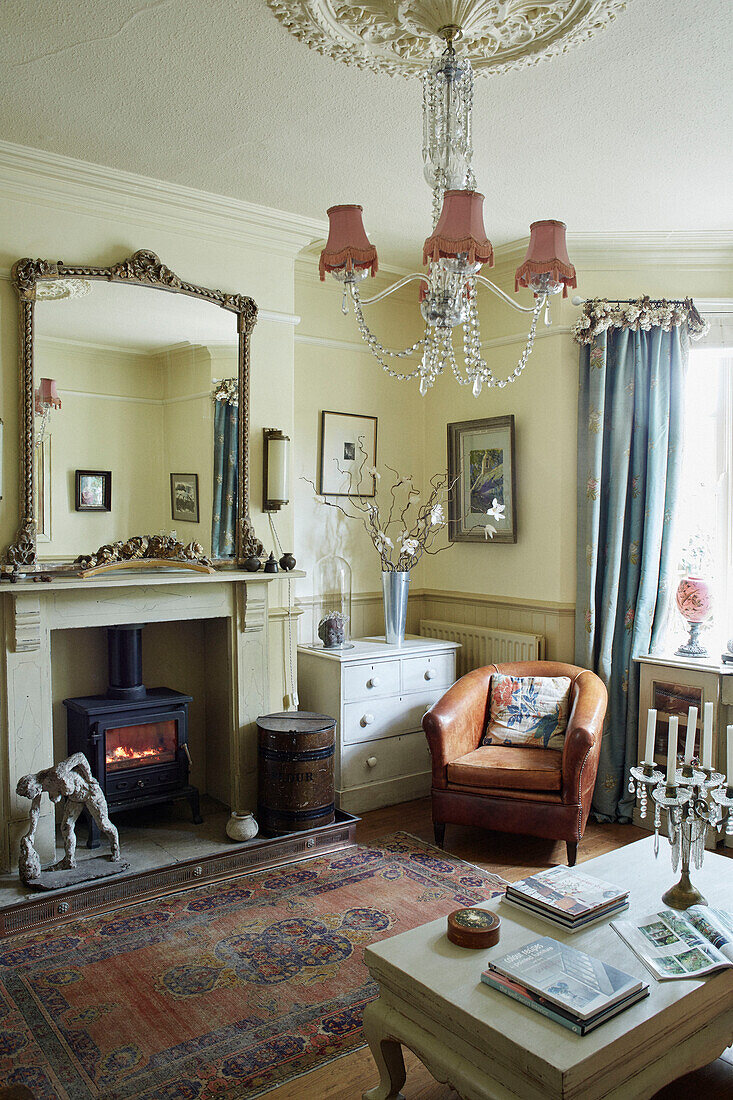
point(123, 752)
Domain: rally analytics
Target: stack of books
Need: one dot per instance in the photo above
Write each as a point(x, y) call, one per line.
point(574, 989)
point(567, 898)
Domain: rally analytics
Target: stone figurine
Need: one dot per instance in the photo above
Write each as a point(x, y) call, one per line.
point(73, 781)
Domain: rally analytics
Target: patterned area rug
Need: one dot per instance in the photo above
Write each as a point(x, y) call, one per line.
point(219, 993)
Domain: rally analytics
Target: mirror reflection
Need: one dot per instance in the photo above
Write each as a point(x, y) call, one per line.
point(125, 440)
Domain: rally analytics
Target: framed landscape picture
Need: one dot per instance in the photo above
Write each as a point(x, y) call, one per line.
point(185, 497)
point(481, 463)
point(93, 490)
point(348, 452)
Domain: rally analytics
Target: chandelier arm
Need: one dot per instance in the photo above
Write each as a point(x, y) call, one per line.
point(415, 276)
point(377, 350)
point(503, 295)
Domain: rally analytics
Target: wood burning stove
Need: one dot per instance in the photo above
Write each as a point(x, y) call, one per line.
point(135, 738)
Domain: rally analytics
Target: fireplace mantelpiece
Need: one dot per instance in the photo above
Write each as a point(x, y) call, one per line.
point(31, 610)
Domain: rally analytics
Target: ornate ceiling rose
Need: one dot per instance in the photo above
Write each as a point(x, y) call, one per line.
point(398, 36)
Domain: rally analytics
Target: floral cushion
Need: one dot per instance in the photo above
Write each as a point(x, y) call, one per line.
point(528, 710)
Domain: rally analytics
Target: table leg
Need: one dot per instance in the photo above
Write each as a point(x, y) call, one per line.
point(387, 1053)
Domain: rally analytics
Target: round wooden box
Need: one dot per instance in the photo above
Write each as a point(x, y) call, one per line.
point(295, 771)
point(473, 928)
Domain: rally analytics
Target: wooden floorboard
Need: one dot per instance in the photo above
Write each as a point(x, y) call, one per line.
point(513, 857)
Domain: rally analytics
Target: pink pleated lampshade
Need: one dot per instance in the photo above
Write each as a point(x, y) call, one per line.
point(460, 229)
point(547, 254)
point(347, 245)
point(47, 396)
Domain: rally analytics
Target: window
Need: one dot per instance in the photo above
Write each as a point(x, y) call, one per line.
point(705, 512)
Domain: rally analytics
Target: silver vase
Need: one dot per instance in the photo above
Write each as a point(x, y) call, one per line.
point(395, 586)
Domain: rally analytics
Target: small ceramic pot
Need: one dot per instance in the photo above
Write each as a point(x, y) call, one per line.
point(252, 563)
point(271, 565)
point(242, 826)
point(287, 562)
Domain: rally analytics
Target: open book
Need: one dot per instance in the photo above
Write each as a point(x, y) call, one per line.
point(681, 945)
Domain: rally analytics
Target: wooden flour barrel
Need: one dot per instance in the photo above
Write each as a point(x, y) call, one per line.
point(295, 771)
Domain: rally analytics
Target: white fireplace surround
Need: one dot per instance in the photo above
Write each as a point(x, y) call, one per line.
point(31, 610)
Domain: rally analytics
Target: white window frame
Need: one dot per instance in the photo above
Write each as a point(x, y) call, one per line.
point(719, 342)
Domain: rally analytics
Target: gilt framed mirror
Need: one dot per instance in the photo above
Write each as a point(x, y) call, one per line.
point(131, 370)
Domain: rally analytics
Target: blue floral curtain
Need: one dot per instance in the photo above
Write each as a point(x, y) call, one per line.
point(226, 459)
point(629, 458)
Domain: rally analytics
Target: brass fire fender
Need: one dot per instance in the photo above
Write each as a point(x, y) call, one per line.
point(145, 269)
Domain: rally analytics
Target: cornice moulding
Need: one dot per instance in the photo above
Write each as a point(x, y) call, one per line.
point(274, 315)
point(604, 251)
point(34, 175)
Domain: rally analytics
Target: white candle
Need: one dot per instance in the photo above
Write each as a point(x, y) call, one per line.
point(672, 750)
point(651, 729)
point(729, 757)
point(690, 737)
point(707, 736)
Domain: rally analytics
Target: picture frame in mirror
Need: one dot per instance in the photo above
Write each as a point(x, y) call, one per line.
point(93, 490)
point(185, 498)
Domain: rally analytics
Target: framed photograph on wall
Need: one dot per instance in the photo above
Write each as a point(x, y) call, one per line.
point(481, 463)
point(93, 490)
point(348, 453)
point(185, 497)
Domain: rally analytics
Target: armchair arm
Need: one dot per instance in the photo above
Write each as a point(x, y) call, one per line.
point(454, 724)
point(582, 747)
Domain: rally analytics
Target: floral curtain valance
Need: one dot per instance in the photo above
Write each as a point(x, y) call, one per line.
point(226, 390)
point(599, 314)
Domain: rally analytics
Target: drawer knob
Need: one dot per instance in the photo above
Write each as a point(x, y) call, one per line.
point(371, 761)
point(367, 719)
point(430, 674)
point(373, 682)
point(140, 783)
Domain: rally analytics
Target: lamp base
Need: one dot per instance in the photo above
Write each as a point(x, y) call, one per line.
point(692, 647)
point(683, 894)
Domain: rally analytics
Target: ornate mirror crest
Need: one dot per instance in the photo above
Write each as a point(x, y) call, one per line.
point(144, 268)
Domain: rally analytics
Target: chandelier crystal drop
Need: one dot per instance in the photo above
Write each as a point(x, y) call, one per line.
point(454, 253)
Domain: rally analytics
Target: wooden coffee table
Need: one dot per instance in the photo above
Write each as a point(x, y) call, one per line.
point(488, 1047)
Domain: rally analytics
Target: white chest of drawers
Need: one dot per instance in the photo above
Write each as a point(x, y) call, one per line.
point(378, 694)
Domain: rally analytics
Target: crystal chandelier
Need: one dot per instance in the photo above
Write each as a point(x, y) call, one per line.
point(455, 252)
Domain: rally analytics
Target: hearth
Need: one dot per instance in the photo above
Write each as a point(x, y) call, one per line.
point(135, 738)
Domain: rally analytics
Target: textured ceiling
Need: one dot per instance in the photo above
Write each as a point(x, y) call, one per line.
point(631, 131)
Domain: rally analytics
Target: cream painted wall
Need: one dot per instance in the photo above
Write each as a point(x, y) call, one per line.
point(56, 224)
point(188, 435)
point(537, 574)
point(541, 566)
point(86, 215)
point(111, 418)
point(335, 371)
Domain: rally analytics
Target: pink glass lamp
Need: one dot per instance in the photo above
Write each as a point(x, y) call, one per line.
point(460, 231)
point(547, 255)
point(46, 396)
point(347, 248)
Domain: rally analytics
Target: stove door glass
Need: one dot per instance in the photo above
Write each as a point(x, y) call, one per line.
point(135, 746)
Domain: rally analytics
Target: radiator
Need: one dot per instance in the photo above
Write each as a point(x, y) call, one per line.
point(481, 645)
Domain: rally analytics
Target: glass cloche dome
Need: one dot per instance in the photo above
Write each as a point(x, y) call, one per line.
point(332, 603)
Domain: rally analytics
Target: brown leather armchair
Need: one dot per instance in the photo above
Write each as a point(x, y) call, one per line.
point(515, 789)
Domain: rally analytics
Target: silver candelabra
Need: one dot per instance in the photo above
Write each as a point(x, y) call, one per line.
point(696, 799)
